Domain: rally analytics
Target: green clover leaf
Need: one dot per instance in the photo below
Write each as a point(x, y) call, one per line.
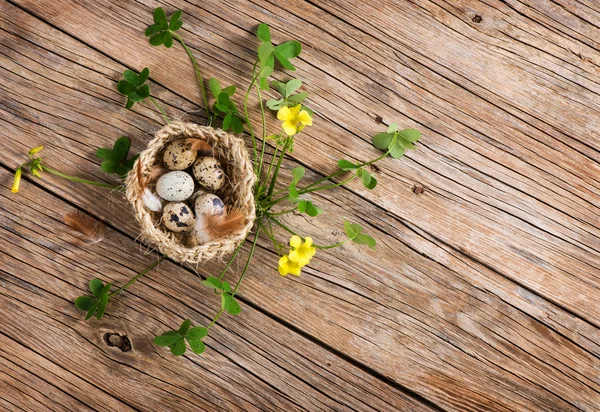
point(267, 53)
point(161, 32)
point(287, 91)
point(396, 142)
point(354, 231)
point(226, 107)
point(133, 86)
point(114, 160)
point(175, 339)
point(94, 305)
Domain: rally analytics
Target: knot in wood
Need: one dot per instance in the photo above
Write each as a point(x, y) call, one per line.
point(120, 341)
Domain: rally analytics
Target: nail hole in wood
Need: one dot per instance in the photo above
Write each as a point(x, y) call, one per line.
point(417, 189)
point(378, 119)
point(120, 341)
point(477, 19)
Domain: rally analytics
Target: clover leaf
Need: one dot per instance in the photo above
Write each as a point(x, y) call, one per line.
point(114, 160)
point(161, 32)
point(96, 304)
point(297, 174)
point(306, 206)
point(395, 142)
point(367, 178)
point(175, 339)
point(287, 91)
point(133, 86)
point(267, 53)
point(354, 233)
point(226, 107)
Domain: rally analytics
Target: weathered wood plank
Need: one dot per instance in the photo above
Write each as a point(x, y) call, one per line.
point(508, 192)
point(446, 340)
point(252, 363)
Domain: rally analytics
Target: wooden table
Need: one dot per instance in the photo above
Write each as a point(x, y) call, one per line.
point(483, 293)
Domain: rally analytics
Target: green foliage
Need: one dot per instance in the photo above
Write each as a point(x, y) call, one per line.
point(289, 97)
point(96, 304)
point(306, 206)
point(354, 233)
point(395, 142)
point(297, 174)
point(114, 160)
point(228, 302)
point(133, 86)
point(367, 178)
point(267, 53)
point(224, 106)
point(161, 32)
point(175, 339)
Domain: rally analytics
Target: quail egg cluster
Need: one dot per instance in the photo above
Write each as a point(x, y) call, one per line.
point(190, 188)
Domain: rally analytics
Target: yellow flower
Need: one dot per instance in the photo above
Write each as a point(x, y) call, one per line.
point(294, 119)
point(301, 253)
point(286, 266)
point(17, 181)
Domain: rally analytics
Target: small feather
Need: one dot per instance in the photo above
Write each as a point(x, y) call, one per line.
point(151, 201)
point(200, 145)
point(213, 227)
point(156, 172)
point(92, 229)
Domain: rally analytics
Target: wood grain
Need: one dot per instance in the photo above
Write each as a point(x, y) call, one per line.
point(483, 292)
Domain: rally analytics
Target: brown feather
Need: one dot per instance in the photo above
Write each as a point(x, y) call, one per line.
point(218, 226)
point(200, 145)
point(92, 229)
point(156, 172)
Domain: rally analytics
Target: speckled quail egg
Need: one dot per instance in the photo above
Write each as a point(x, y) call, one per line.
point(209, 173)
point(175, 186)
point(178, 217)
point(208, 204)
point(179, 155)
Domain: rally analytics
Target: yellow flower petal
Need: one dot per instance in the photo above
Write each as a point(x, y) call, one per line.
point(295, 110)
point(283, 266)
point(295, 242)
point(283, 113)
point(305, 118)
point(295, 270)
point(308, 242)
point(289, 128)
point(299, 128)
point(35, 150)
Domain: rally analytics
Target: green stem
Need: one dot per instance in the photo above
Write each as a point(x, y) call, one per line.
point(254, 77)
point(287, 229)
point(247, 264)
point(276, 172)
point(235, 253)
point(136, 277)
point(285, 212)
point(198, 73)
point(164, 115)
point(272, 162)
point(220, 312)
point(270, 235)
point(264, 131)
point(77, 179)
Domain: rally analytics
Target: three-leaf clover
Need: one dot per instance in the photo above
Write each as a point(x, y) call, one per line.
point(226, 107)
point(396, 141)
point(114, 160)
point(133, 86)
point(94, 304)
point(228, 302)
point(267, 53)
point(297, 174)
point(289, 98)
point(367, 178)
point(354, 233)
point(161, 32)
point(175, 339)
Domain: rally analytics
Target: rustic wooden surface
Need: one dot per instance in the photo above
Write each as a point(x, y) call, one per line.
point(483, 293)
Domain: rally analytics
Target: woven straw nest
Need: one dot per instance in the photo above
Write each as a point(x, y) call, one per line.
point(237, 193)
